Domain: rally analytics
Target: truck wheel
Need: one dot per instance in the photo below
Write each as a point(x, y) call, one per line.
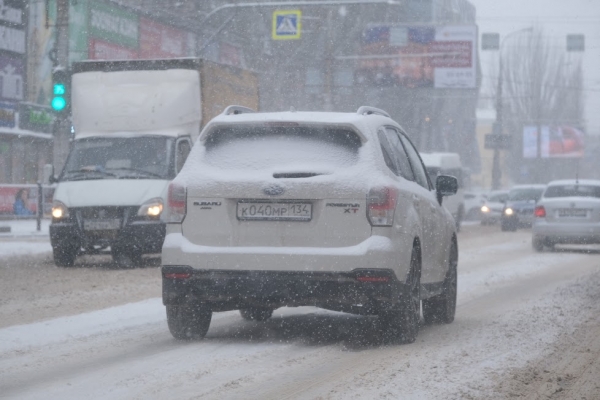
point(256, 314)
point(442, 308)
point(126, 258)
point(64, 256)
point(188, 322)
point(400, 323)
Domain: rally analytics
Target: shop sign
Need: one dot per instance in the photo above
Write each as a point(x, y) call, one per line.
point(12, 78)
point(114, 25)
point(7, 115)
point(36, 118)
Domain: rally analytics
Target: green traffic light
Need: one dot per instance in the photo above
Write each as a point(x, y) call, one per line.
point(58, 103)
point(59, 89)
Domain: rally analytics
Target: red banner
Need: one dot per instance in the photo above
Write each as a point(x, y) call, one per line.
point(160, 41)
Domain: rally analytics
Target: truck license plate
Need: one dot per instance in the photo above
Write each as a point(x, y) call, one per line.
point(274, 211)
point(101, 224)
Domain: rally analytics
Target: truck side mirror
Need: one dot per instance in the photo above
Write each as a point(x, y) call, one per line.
point(445, 185)
point(48, 172)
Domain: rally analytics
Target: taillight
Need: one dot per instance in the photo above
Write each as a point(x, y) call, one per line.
point(178, 275)
point(540, 212)
point(176, 203)
point(381, 205)
point(373, 279)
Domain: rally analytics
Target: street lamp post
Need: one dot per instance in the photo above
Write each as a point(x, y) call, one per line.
point(496, 170)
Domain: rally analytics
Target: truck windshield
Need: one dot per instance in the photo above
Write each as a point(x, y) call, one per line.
point(146, 157)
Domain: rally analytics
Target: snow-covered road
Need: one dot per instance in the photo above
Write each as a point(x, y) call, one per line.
point(513, 305)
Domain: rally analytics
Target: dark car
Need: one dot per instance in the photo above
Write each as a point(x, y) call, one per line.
point(518, 209)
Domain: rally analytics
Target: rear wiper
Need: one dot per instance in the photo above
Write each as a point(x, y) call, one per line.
point(138, 171)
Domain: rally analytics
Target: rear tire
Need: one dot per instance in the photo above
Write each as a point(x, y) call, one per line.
point(442, 308)
point(537, 244)
point(400, 323)
point(188, 322)
point(256, 314)
point(64, 256)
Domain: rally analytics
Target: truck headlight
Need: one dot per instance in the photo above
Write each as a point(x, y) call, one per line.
point(485, 209)
point(59, 210)
point(151, 208)
point(509, 211)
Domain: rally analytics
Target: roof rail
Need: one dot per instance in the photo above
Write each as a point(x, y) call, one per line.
point(366, 110)
point(234, 110)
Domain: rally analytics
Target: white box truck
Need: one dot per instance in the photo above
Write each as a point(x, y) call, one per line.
point(448, 164)
point(134, 124)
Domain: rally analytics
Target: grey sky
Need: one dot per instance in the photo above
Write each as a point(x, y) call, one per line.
point(557, 18)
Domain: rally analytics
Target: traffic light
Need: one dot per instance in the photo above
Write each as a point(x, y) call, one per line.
point(61, 92)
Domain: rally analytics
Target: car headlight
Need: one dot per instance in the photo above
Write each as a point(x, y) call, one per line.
point(151, 208)
point(485, 209)
point(59, 210)
point(509, 211)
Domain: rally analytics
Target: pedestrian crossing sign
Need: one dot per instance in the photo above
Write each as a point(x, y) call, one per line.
point(286, 24)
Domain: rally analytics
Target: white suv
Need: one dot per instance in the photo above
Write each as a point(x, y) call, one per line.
point(333, 210)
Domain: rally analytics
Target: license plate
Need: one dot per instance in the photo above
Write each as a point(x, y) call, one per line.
point(572, 212)
point(101, 224)
point(274, 211)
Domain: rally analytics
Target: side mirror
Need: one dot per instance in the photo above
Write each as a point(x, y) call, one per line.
point(48, 172)
point(445, 185)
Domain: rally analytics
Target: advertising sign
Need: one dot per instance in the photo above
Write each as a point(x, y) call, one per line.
point(36, 118)
point(419, 56)
point(12, 78)
point(78, 30)
point(7, 115)
point(113, 25)
point(555, 142)
point(160, 41)
point(101, 50)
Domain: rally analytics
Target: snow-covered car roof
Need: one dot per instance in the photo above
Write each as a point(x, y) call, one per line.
point(532, 186)
point(362, 124)
point(589, 182)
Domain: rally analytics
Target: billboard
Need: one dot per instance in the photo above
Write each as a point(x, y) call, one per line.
point(161, 41)
point(419, 56)
point(555, 141)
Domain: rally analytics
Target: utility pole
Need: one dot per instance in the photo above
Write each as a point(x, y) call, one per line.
point(62, 124)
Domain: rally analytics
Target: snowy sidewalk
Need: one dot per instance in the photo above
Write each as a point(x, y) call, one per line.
point(24, 238)
point(24, 227)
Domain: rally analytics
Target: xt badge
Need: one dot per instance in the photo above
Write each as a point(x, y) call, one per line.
point(349, 208)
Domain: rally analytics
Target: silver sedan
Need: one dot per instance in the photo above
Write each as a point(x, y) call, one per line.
point(567, 213)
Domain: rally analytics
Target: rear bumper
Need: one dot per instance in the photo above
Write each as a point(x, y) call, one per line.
point(568, 233)
point(365, 291)
point(375, 252)
point(144, 236)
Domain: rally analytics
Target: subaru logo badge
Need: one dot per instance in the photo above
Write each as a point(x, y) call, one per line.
point(273, 190)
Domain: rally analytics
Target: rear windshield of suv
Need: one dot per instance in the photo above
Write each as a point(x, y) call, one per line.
point(285, 147)
point(573, 191)
point(525, 194)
